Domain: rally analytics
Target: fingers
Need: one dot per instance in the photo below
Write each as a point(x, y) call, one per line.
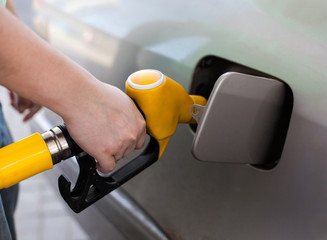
point(23, 105)
point(107, 165)
point(12, 98)
point(119, 129)
point(138, 143)
point(15, 103)
point(127, 151)
point(31, 112)
point(141, 140)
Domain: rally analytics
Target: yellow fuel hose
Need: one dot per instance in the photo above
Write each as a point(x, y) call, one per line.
point(23, 159)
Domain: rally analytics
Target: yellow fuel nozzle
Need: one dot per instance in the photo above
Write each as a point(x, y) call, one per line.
point(163, 101)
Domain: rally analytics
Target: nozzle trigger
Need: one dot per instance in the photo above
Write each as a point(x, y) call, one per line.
point(90, 186)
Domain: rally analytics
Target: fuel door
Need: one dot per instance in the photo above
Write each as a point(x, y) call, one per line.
point(245, 121)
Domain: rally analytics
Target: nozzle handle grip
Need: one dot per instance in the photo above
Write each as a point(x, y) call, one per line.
point(90, 186)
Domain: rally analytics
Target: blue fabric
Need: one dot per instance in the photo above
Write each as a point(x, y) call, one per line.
point(8, 196)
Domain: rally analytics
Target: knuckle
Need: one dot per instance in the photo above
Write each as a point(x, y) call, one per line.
point(118, 145)
point(140, 144)
point(143, 126)
point(132, 137)
point(106, 150)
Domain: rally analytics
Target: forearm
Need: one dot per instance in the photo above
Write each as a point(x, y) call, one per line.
point(31, 68)
point(45, 76)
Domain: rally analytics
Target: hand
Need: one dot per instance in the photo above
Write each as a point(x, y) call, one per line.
point(23, 105)
point(108, 127)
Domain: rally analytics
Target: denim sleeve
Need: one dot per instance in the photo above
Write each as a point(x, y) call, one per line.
point(8, 196)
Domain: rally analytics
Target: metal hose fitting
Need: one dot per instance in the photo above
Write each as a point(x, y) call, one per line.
point(57, 144)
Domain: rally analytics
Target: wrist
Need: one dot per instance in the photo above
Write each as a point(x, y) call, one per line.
point(80, 96)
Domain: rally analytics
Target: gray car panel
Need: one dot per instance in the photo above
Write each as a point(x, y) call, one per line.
point(197, 200)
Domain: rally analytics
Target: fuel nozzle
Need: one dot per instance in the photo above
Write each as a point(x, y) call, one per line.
point(164, 102)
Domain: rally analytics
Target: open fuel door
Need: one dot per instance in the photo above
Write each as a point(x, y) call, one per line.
point(245, 121)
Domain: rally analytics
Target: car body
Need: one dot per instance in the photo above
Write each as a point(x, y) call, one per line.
point(180, 197)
